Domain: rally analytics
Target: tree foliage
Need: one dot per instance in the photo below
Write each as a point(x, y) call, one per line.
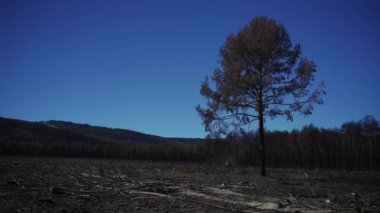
point(260, 68)
point(262, 74)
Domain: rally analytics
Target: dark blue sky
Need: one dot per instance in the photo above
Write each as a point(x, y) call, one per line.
point(138, 64)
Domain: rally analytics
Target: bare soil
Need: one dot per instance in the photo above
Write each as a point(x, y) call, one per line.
point(96, 185)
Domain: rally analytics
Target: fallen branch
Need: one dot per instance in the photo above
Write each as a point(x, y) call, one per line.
point(312, 207)
point(61, 190)
point(294, 200)
point(223, 191)
point(243, 186)
point(253, 204)
point(212, 204)
point(149, 193)
point(148, 197)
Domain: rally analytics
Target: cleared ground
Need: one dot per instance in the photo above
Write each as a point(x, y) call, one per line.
point(95, 185)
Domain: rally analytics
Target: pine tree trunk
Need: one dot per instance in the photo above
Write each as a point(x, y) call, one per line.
point(262, 144)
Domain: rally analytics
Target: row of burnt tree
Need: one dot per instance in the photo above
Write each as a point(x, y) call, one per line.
point(155, 152)
point(309, 148)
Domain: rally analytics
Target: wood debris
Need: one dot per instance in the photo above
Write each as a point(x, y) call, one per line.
point(88, 185)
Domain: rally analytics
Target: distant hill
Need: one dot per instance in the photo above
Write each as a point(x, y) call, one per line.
point(63, 132)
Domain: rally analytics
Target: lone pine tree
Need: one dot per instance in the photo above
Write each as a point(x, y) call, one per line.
point(262, 75)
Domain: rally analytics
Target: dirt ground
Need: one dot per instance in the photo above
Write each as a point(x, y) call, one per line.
point(95, 185)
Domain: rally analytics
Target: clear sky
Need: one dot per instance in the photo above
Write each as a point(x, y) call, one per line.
point(138, 64)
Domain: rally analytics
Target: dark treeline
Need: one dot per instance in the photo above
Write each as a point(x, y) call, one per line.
point(354, 146)
point(308, 148)
point(157, 152)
